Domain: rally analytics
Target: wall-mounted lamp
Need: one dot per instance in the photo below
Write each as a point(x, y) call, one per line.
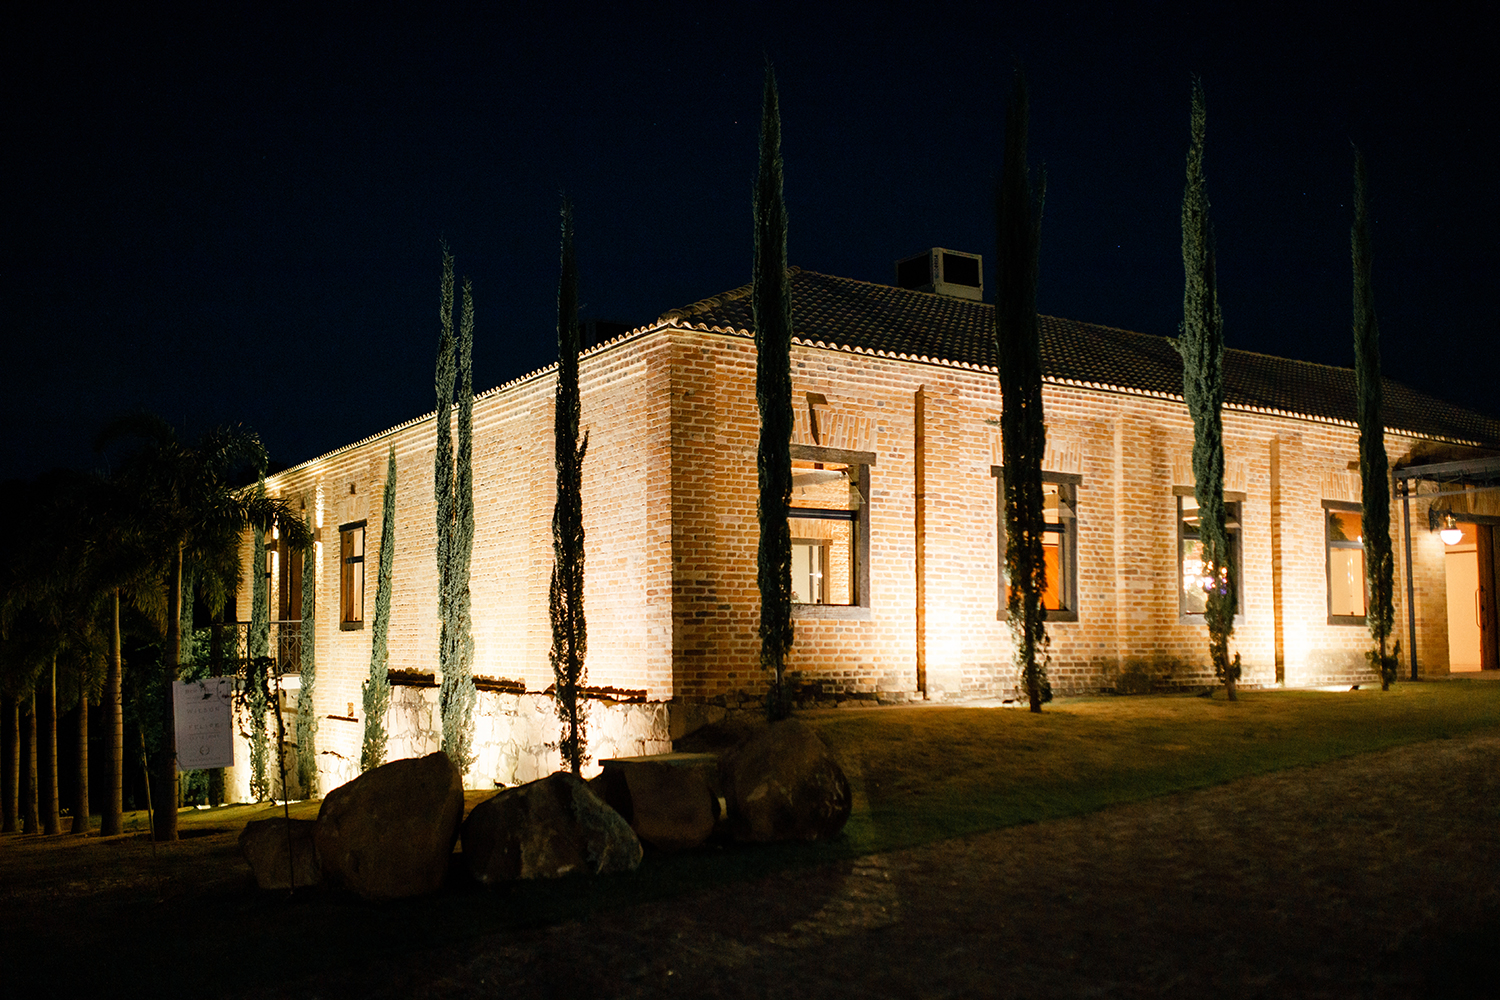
point(1451, 533)
point(1446, 526)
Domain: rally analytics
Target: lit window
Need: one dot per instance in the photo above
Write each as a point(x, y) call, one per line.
point(1059, 544)
point(828, 517)
point(1343, 536)
point(1194, 581)
point(352, 575)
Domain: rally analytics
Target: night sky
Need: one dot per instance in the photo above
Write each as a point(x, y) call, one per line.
point(234, 216)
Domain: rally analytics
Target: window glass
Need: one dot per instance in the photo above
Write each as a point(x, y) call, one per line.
point(1193, 592)
point(824, 518)
point(1059, 546)
point(1346, 565)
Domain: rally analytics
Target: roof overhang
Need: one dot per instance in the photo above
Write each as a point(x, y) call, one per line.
point(1478, 472)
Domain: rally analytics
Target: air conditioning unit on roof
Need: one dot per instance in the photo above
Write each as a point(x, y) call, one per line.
point(944, 272)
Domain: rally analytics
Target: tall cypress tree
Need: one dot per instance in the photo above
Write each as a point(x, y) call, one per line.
point(377, 687)
point(771, 303)
point(1374, 467)
point(1201, 344)
point(454, 489)
point(307, 719)
point(569, 629)
point(1018, 349)
point(258, 650)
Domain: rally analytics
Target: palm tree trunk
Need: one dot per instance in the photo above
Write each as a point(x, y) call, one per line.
point(10, 761)
point(216, 776)
point(47, 769)
point(164, 788)
point(30, 822)
point(81, 793)
point(112, 820)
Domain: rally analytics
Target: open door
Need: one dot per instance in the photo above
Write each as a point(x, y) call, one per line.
point(1489, 625)
point(1473, 616)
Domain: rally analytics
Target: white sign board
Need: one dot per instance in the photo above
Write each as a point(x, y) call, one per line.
point(204, 721)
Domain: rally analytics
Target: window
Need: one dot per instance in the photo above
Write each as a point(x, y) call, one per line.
point(1344, 539)
point(1059, 543)
point(352, 575)
point(829, 521)
point(1193, 585)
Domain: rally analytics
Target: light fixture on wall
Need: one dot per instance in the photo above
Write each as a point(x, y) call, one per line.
point(1445, 524)
point(1451, 533)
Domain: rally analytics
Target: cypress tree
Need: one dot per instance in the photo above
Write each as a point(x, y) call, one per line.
point(1201, 344)
point(1023, 431)
point(307, 719)
point(377, 687)
point(258, 650)
point(771, 303)
point(569, 629)
point(1374, 470)
point(465, 695)
point(454, 490)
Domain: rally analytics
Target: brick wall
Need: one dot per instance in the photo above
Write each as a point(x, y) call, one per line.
point(670, 515)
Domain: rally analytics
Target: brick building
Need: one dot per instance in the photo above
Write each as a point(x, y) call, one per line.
point(895, 525)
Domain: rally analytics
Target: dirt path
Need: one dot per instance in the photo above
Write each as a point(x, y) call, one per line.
point(1377, 876)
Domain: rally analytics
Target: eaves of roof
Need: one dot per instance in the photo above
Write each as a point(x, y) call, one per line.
point(884, 321)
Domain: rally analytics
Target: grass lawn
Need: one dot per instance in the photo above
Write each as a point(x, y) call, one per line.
point(924, 773)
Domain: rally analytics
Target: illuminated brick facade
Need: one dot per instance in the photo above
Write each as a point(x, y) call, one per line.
point(670, 515)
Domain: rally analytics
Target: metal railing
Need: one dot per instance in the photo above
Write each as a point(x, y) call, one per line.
point(229, 647)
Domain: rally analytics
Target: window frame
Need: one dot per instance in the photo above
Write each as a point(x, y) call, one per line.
point(859, 463)
point(1329, 545)
point(1067, 550)
point(346, 576)
point(1233, 500)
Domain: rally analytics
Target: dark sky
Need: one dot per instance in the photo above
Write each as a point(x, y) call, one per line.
point(234, 215)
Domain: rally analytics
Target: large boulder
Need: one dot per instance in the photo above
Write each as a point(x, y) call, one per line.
point(390, 832)
point(672, 801)
point(783, 784)
point(544, 829)
point(267, 844)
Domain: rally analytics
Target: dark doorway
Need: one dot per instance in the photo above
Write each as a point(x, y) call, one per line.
point(1489, 625)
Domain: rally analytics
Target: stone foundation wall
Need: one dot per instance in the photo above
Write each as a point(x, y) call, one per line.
point(515, 736)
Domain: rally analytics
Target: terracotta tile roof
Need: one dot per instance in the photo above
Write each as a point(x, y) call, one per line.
point(897, 322)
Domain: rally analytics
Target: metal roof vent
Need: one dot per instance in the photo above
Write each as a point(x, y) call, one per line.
point(945, 272)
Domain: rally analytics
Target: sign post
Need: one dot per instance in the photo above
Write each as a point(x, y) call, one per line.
point(204, 724)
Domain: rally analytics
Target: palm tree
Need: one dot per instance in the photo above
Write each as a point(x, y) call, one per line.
point(196, 513)
point(49, 609)
point(10, 759)
point(25, 664)
point(17, 685)
point(123, 572)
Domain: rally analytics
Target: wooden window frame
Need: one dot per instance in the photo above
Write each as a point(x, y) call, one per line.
point(346, 576)
point(1067, 550)
point(1232, 499)
point(859, 463)
point(1328, 546)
